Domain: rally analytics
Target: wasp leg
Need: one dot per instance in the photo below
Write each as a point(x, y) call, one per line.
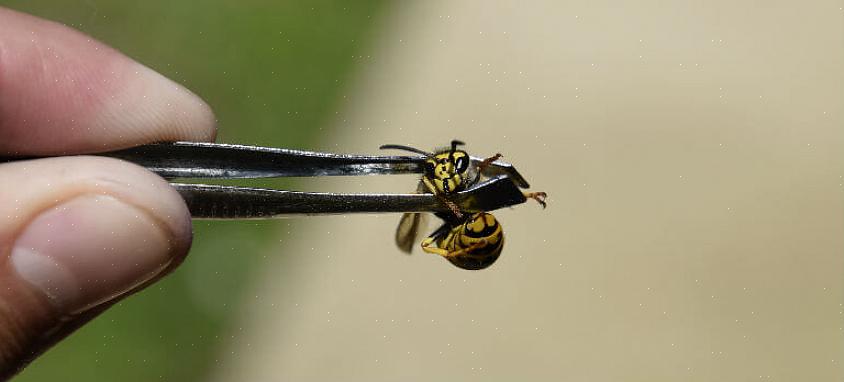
point(427, 246)
point(468, 249)
point(453, 207)
point(538, 196)
point(488, 161)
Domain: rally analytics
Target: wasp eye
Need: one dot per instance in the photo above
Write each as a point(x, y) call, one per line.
point(461, 164)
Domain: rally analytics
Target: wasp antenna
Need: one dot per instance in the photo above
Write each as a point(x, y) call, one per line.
point(406, 148)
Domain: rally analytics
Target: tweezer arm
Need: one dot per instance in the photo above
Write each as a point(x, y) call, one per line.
point(225, 202)
point(215, 160)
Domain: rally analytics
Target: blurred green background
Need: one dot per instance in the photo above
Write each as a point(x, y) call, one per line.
point(691, 151)
point(273, 71)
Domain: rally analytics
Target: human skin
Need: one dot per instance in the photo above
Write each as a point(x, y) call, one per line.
point(79, 233)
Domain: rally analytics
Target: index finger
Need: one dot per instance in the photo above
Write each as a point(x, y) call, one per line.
point(62, 92)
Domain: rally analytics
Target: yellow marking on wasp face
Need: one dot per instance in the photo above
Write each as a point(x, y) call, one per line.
point(447, 170)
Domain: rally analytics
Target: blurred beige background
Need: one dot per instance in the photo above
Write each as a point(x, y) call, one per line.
point(692, 152)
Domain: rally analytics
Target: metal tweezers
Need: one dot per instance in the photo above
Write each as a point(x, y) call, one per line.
point(181, 160)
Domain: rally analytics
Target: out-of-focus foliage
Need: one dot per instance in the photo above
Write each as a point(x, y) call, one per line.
point(272, 71)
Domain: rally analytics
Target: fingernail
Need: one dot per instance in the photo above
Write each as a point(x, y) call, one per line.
point(90, 250)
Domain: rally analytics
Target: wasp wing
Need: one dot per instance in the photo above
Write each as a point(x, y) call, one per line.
point(408, 230)
point(410, 225)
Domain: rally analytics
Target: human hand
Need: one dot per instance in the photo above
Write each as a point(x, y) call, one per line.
point(79, 233)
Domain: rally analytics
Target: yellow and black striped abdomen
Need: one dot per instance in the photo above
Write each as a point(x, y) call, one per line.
point(480, 238)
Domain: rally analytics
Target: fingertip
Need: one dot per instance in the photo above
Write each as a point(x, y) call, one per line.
point(84, 233)
point(153, 108)
point(63, 92)
point(66, 178)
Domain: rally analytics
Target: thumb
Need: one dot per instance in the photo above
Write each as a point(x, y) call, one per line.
point(80, 235)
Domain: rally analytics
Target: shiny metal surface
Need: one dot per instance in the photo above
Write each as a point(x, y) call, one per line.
point(225, 161)
point(226, 202)
point(216, 160)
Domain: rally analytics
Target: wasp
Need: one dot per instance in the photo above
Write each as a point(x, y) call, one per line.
point(469, 241)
